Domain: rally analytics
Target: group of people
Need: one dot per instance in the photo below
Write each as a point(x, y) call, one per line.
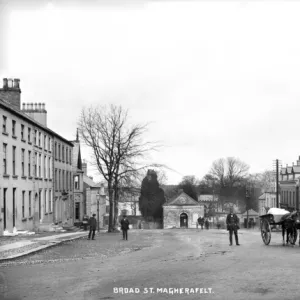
point(232, 222)
point(202, 221)
point(92, 222)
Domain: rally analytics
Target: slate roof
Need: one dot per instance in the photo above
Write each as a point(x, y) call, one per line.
point(173, 199)
point(19, 113)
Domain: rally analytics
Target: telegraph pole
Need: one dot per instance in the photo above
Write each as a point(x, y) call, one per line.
point(277, 181)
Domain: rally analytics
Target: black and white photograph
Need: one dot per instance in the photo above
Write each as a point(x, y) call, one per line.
point(149, 149)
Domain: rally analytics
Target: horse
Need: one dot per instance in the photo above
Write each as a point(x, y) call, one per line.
point(289, 224)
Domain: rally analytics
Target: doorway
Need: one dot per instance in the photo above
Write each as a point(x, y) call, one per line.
point(77, 211)
point(183, 220)
point(40, 205)
point(14, 207)
point(4, 209)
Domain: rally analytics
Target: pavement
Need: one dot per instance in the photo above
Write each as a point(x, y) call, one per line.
point(14, 247)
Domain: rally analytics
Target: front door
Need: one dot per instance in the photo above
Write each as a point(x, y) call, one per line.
point(14, 207)
point(183, 220)
point(77, 211)
point(4, 209)
point(40, 205)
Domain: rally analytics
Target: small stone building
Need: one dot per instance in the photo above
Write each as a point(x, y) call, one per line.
point(182, 212)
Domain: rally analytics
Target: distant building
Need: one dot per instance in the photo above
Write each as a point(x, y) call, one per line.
point(182, 212)
point(267, 200)
point(289, 186)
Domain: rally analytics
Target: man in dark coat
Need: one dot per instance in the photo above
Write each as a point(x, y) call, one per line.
point(201, 222)
point(93, 226)
point(125, 227)
point(232, 222)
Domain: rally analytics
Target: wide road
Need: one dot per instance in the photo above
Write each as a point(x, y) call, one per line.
point(164, 260)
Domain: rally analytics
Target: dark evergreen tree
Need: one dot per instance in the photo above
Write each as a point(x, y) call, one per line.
point(152, 197)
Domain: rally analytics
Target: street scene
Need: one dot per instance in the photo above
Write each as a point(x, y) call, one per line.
point(149, 149)
point(159, 259)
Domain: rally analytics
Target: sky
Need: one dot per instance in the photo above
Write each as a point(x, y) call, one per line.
point(213, 78)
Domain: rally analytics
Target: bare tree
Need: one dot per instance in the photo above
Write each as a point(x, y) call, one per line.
point(237, 170)
point(218, 170)
point(229, 171)
point(118, 148)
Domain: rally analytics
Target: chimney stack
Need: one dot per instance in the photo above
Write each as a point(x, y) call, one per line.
point(298, 161)
point(11, 93)
point(37, 112)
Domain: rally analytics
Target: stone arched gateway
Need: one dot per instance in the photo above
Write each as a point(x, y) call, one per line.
point(182, 212)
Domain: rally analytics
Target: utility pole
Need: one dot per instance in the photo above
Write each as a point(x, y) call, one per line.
point(277, 162)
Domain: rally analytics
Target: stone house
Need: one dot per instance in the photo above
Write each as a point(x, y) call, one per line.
point(182, 212)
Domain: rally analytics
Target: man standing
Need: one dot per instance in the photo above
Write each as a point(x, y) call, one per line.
point(232, 222)
point(93, 226)
point(125, 227)
point(201, 222)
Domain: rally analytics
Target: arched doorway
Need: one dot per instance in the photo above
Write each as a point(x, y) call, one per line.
point(183, 220)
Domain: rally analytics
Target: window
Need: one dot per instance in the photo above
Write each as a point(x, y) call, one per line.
point(45, 166)
point(22, 132)
point(23, 162)
point(49, 144)
point(45, 142)
point(29, 203)
point(35, 134)
point(40, 139)
point(71, 187)
point(59, 180)
point(23, 204)
point(40, 164)
point(67, 180)
point(29, 135)
point(55, 150)
point(4, 124)
point(50, 201)
point(45, 201)
point(59, 155)
point(63, 180)
point(76, 182)
point(4, 158)
point(14, 160)
point(13, 127)
point(67, 158)
point(63, 153)
point(56, 179)
point(107, 209)
point(29, 163)
point(70, 157)
point(49, 168)
point(35, 164)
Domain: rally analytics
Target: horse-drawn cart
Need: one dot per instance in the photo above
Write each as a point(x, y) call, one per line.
point(288, 221)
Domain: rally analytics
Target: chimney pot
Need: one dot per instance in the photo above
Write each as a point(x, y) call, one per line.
point(5, 86)
point(43, 106)
point(35, 106)
point(10, 83)
point(24, 106)
point(17, 83)
point(40, 106)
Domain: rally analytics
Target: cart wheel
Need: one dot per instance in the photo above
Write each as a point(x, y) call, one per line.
point(292, 236)
point(265, 231)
